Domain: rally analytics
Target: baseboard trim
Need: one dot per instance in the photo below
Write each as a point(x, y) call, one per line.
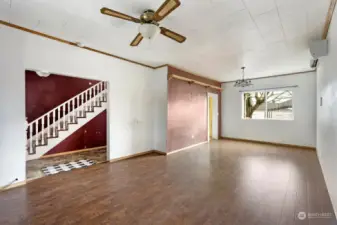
point(159, 152)
point(130, 156)
point(185, 148)
point(270, 143)
point(13, 185)
point(72, 152)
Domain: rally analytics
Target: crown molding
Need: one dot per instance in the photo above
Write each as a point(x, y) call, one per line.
point(329, 18)
point(74, 44)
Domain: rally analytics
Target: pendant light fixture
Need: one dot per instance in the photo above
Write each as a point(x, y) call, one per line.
point(243, 82)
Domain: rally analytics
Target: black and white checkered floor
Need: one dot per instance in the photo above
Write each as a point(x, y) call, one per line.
point(49, 170)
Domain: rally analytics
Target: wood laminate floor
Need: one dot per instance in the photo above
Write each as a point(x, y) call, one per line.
point(224, 182)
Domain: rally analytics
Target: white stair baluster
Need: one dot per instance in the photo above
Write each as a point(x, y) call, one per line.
point(70, 110)
point(36, 133)
point(51, 125)
point(59, 118)
point(73, 110)
point(83, 105)
point(95, 94)
point(91, 97)
point(100, 91)
point(76, 100)
point(42, 130)
point(48, 125)
point(64, 116)
point(31, 138)
point(88, 100)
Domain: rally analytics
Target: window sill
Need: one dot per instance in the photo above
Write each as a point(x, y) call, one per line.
point(267, 119)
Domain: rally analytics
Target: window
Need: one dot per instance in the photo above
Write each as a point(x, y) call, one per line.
point(268, 104)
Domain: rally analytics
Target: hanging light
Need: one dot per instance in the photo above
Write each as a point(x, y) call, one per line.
point(149, 30)
point(243, 82)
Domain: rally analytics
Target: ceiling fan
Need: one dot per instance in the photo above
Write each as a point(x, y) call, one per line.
point(149, 26)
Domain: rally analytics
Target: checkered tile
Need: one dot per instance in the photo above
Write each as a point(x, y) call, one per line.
point(49, 170)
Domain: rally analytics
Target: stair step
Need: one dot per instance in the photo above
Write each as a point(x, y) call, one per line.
point(62, 129)
point(39, 145)
point(53, 137)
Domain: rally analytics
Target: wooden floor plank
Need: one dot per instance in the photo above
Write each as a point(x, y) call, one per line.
point(223, 182)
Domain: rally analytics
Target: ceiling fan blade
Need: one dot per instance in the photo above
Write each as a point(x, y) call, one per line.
point(119, 15)
point(137, 40)
point(165, 9)
point(173, 35)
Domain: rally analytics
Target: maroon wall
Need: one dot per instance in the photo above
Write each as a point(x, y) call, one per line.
point(93, 134)
point(45, 93)
point(187, 114)
point(187, 110)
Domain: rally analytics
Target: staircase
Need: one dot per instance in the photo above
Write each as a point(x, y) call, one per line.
point(50, 129)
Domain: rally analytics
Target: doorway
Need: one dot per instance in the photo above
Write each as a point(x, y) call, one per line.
point(213, 116)
point(66, 124)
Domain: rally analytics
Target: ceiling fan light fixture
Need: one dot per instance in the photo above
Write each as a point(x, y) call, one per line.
point(149, 30)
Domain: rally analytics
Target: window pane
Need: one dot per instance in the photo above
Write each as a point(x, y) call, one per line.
point(280, 105)
point(254, 105)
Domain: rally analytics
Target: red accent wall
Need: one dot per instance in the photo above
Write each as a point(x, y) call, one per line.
point(187, 110)
point(45, 93)
point(93, 134)
point(187, 114)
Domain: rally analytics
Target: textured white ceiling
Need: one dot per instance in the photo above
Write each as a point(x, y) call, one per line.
point(269, 37)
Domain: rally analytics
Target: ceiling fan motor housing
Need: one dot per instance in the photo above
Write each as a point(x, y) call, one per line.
point(148, 16)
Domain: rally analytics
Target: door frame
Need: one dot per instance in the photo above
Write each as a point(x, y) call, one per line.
point(215, 117)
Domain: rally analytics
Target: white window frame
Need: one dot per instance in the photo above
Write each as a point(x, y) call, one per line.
point(265, 90)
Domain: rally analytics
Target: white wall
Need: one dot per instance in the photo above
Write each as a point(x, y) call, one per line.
point(327, 113)
point(12, 113)
point(130, 124)
point(159, 85)
point(300, 131)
